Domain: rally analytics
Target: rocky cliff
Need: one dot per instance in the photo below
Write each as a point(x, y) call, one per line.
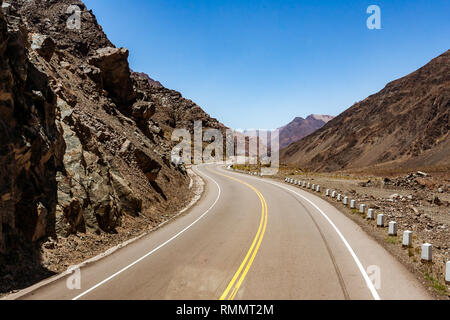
point(83, 138)
point(404, 126)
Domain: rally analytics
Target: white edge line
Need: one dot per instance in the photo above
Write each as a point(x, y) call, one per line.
point(369, 283)
point(157, 248)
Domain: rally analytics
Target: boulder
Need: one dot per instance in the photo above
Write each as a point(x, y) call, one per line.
point(131, 205)
point(6, 7)
point(142, 111)
point(155, 129)
point(115, 71)
point(43, 45)
point(149, 166)
point(436, 201)
point(94, 74)
point(422, 174)
point(395, 196)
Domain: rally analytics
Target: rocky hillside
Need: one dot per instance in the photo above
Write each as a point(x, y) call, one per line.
point(83, 138)
point(300, 128)
point(171, 109)
point(405, 125)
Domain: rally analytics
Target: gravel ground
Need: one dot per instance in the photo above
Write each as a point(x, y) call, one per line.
point(418, 202)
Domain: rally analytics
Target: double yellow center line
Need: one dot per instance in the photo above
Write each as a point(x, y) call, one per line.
point(235, 283)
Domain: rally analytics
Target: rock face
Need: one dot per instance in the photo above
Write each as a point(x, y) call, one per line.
point(31, 145)
point(81, 144)
point(300, 128)
point(404, 126)
point(92, 195)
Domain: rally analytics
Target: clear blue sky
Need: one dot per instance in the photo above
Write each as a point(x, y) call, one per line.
point(259, 64)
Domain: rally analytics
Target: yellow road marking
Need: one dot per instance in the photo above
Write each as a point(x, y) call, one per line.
point(254, 254)
point(251, 254)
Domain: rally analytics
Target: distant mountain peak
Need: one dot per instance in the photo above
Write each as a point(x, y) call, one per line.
point(299, 128)
point(324, 118)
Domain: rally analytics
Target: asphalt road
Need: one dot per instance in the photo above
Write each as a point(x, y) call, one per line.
point(247, 238)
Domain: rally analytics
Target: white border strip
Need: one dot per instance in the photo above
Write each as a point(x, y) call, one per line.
point(157, 248)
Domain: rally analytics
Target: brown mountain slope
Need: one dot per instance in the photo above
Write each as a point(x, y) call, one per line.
point(405, 125)
point(300, 128)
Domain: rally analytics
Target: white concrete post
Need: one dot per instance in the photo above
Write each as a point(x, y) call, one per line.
point(308, 186)
point(327, 192)
point(318, 188)
point(353, 204)
point(346, 201)
point(362, 208)
point(304, 184)
point(371, 214)
point(339, 197)
point(292, 181)
point(313, 187)
point(381, 220)
point(427, 252)
point(407, 238)
point(447, 272)
point(295, 182)
point(392, 228)
point(333, 194)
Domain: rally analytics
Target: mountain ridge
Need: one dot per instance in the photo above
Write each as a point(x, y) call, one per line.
point(299, 128)
point(406, 124)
